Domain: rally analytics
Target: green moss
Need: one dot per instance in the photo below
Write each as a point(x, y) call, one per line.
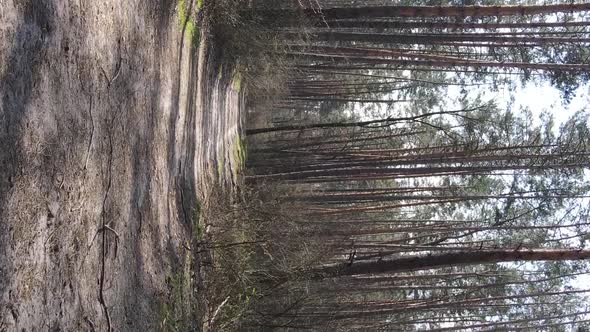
point(237, 81)
point(239, 151)
point(182, 14)
point(191, 30)
point(242, 151)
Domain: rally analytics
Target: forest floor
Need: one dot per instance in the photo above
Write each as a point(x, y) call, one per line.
point(116, 125)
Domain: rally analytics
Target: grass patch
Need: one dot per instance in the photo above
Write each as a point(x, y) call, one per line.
point(179, 311)
point(233, 252)
point(168, 312)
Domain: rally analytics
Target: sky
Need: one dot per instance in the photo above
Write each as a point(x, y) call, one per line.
point(541, 97)
point(538, 97)
point(544, 97)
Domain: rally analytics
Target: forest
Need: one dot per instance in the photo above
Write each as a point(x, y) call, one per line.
point(407, 189)
point(295, 165)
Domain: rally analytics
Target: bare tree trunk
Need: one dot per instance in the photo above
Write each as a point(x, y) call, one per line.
point(444, 11)
point(449, 25)
point(449, 259)
point(348, 124)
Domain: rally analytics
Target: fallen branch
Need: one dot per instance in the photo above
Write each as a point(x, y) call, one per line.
point(217, 311)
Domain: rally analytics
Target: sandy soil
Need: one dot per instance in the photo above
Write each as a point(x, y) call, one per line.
point(113, 123)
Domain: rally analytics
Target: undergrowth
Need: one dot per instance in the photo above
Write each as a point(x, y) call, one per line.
point(257, 241)
point(180, 310)
point(253, 44)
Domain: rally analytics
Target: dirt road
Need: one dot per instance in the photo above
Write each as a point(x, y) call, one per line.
point(113, 121)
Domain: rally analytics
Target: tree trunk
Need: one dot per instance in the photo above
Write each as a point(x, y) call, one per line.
point(449, 25)
point(443, 11)
point(433, 39)
point(387, 121)
point(412, 59)
point(415, 263)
